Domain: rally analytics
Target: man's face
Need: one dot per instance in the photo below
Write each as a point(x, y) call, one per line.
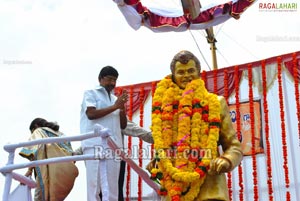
point(108, 82)
point(185, 73)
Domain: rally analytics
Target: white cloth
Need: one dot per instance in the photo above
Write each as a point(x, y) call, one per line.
point(132, 17)
point(167, 8)
point(132, 129)
point(21, 192)
point(103, 174)
point(99, 98)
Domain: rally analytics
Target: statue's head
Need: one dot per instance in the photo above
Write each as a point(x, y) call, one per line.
point(185, 67)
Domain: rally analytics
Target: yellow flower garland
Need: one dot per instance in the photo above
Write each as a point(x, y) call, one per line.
point(184, 123)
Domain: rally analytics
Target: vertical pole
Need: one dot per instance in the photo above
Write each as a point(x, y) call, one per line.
point(212, 41)
point(8, 176)
point(213, 54)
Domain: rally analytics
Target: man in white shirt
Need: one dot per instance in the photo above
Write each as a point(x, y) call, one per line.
point(132, 129)
point(101, 106)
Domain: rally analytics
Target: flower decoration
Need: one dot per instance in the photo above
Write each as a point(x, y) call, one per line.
point(185, 128)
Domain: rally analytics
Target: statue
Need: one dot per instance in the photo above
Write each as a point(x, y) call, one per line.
point(189, 125)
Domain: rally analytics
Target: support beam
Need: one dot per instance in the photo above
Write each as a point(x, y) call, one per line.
point(212, 41)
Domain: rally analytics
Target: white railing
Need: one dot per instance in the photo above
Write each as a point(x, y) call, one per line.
point(98, 132)
point(10, 166)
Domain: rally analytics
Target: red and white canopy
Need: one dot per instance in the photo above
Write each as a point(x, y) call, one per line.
point(168, 15)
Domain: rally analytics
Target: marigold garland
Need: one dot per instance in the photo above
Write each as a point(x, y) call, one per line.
point(283, 131)
point(184, 122)
point(142, 96)
point(130, 114)
point(252, 115)
point(296, 74)
point(153, 87)
point(267, 130)
point(238, 127)
point(229, 175)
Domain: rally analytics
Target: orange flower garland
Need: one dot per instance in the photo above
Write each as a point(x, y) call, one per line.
point(267, 130)
point(283, 131)
point(184, 123)
point(253, 155)
point(229, 175)
point(238, 127)
point(130, 114)
point(142, 96)
point(296, 74)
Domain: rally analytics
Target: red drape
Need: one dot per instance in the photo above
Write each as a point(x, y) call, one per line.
point(136, 94)
point(290, 67)
point(209, 79)
point(234, 9)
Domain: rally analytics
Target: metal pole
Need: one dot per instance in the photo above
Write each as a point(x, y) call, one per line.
point(8, 177)
point(214, 56)
point(212, 41)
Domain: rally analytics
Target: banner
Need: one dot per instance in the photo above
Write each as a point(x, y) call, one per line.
point(245, 121)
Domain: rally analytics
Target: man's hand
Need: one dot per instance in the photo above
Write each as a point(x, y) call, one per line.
point(122, 99)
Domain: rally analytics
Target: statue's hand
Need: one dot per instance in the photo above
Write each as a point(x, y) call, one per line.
point(220, 165)
point(152, 164)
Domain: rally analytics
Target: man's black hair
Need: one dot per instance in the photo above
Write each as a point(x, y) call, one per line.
point(108, 70)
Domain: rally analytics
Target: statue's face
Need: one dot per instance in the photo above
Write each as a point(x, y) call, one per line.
point(185, 73)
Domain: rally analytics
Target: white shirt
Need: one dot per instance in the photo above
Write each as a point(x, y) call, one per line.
point(99, 99)
point(132, 129)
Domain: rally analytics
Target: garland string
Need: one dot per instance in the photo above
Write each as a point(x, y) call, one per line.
point(184, 122)
point(129, 144)
point(267, 130)
point(283, 130)
point(252, 123)
point(229, 175)
point(142, 96)
point(296, 73)
point(238, 127)
point(153, 87)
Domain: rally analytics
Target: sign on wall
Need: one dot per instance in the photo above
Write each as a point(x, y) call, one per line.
point(245, 132)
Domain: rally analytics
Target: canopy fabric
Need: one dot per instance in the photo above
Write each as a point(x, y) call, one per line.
point(168, 15)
